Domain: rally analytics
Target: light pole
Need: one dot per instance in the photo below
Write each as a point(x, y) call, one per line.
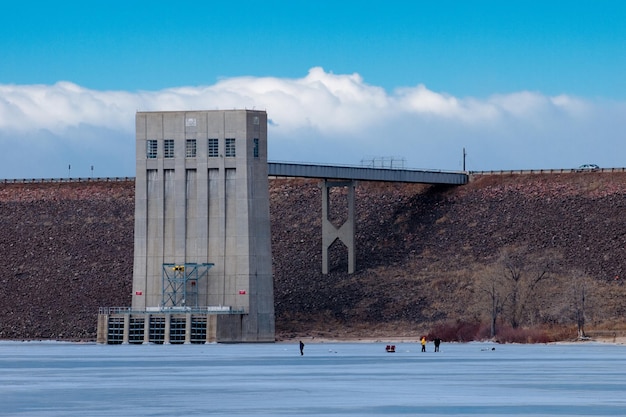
point(464, 155)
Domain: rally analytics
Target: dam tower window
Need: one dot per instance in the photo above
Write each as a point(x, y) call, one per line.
point(168, 148)
point(190, 148)
point(151, 148)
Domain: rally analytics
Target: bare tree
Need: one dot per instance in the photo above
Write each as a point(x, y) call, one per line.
point(524, 273)
point(510, 288)
point(580, 286)
point(494, 294)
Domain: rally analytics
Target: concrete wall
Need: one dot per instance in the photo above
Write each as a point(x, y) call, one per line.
point(206, 209)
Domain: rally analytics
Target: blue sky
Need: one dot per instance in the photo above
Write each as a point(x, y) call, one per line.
point(520, 85)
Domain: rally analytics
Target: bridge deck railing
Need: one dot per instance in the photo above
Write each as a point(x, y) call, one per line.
point(546, 171)
point(492, 172)
point(77, 179)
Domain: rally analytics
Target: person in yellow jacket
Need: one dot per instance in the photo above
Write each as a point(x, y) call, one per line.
point(423, 342)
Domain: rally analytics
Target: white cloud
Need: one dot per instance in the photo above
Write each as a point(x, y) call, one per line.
point(60, 106)
point(322, 117)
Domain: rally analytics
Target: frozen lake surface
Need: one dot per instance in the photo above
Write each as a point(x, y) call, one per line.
point(339, 379)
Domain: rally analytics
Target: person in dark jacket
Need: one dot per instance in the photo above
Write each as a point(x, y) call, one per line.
point(437, 343)
point(301, 348)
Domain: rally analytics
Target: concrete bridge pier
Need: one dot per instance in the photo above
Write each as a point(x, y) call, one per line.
point(345, 232)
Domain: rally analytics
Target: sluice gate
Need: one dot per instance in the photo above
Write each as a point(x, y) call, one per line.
point(119, 325)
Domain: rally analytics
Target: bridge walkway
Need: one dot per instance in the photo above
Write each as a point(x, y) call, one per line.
point(347, 176)
point(360, 173)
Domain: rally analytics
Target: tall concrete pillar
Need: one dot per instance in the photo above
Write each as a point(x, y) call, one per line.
point(202, 197)
point(345, 232)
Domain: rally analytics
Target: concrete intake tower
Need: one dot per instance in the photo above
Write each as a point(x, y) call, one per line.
point(202, 255)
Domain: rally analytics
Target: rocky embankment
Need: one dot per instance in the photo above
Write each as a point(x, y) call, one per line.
point(67, 250)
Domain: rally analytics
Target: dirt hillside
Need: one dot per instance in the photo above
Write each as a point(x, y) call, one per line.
point(67, 249)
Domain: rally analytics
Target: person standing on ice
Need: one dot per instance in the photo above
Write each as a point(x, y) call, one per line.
point(423, 342)
point(301, 348)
